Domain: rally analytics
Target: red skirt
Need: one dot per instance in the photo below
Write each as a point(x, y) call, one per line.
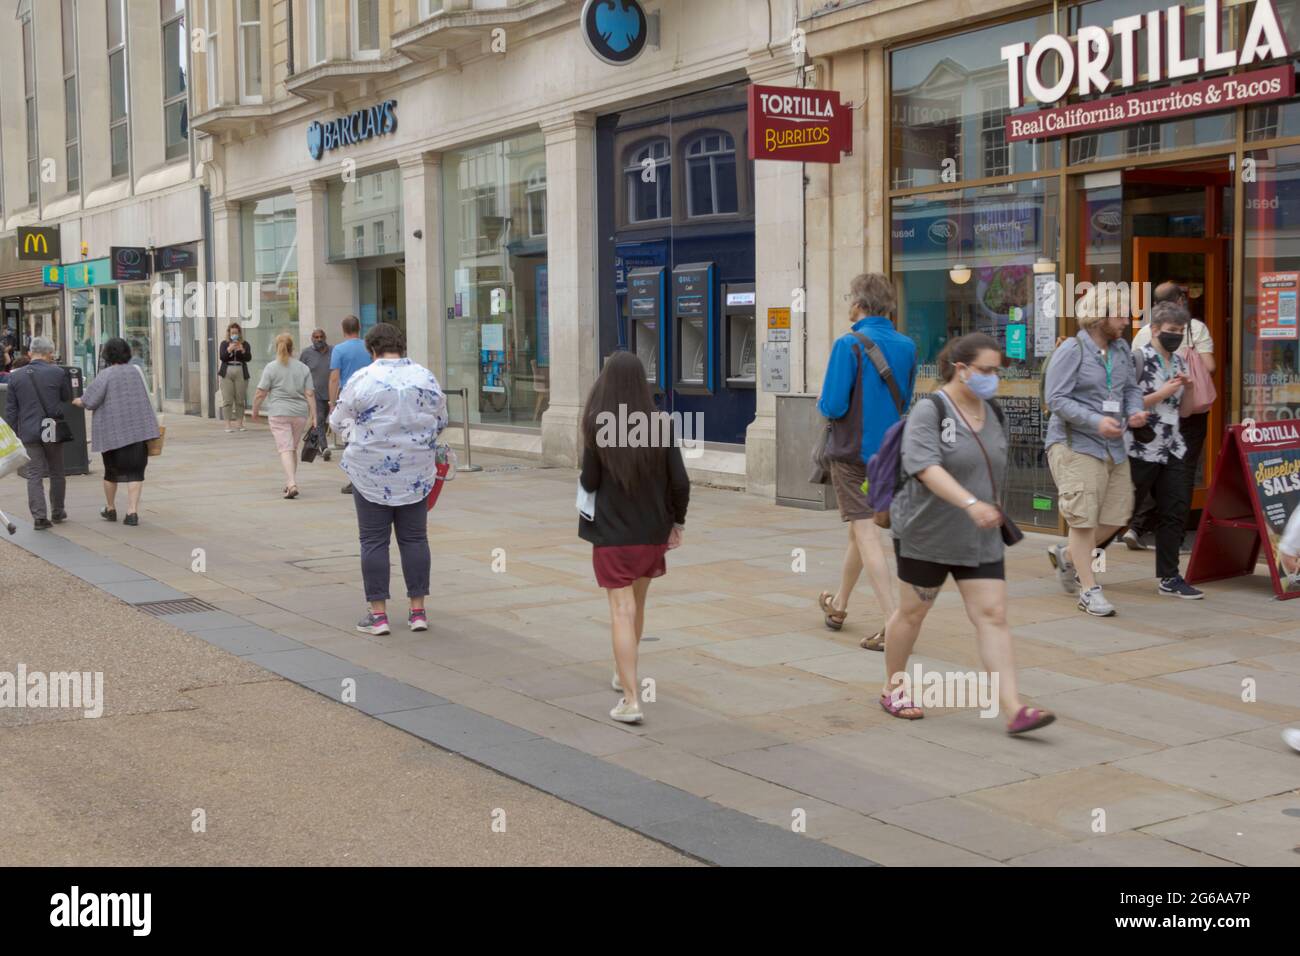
point(618, 566)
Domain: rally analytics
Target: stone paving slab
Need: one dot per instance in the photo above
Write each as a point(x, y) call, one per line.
point(759, 708)
point(1262, 833)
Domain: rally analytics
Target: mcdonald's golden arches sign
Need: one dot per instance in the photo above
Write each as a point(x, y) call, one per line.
point(39, 242)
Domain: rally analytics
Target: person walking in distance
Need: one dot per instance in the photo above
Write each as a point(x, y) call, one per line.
point(867, 388)
point(36, 392)
point(1092, 392)
point(235, 354)
point(946, 520)
point(346, 359)
point(392, 412)
point(290, 400)
point(317, 358)
point(121, 428)
point(1159, 460)
point(642, 492)
point(1193, 428)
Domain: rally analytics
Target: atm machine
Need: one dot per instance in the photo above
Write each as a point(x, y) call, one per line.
point(694, 329)
point(740, 331)
point(649, 336)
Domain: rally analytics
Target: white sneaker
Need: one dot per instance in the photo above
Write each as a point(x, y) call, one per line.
point(626, 713)
point(1133, 541)
point(1292, 737)
point(1094, 602)
point(1059, 555)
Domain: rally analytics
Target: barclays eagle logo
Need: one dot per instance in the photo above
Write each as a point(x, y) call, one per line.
point(315, 140)
point(615, 30)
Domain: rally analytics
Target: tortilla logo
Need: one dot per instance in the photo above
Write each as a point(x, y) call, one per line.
point(775, 139)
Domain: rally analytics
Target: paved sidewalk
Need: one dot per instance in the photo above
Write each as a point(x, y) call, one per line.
point(270, 773)
point(759, 708)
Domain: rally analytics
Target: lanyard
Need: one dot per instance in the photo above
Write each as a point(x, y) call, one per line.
point(1109, 356)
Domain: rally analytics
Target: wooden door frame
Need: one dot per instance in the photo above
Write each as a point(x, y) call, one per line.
point(1216, 320)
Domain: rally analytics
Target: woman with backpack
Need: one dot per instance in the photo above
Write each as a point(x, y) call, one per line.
point(946, 519)
point(641, 493)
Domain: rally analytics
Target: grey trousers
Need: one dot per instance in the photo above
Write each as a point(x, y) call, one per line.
point(46, 462)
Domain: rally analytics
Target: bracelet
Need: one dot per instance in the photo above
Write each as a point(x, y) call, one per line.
point(973, 501)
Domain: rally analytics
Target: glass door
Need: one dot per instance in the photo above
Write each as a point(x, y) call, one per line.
point(1198, 266)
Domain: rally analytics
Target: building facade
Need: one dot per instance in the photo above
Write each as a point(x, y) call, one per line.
point(94, 141)
point(939, 179)
point(473, 172)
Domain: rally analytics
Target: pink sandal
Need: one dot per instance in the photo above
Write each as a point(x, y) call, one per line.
point(894, 706)
point(1030, 718)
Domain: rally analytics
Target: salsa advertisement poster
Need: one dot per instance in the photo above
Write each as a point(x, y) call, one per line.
point(1276, 476)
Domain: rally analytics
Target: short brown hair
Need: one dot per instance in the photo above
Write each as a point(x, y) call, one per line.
point(351, 325)
point(385, 338)
point(873, 293)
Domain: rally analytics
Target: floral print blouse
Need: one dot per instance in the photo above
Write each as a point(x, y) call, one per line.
point(391, 413)
point(1152, 373)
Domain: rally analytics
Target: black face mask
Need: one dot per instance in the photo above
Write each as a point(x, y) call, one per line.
point(1170, 341)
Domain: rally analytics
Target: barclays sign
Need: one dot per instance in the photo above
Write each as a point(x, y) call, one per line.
point(354, 128)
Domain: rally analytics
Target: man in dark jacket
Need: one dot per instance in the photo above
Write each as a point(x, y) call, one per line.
point(36, 395)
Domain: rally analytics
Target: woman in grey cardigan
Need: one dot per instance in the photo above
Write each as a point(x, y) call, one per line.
point(121, 428)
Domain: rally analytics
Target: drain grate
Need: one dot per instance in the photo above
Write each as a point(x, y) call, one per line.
point(183, 606)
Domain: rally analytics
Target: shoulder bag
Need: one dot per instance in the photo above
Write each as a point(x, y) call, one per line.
point(838, 438)
point(1011, 533)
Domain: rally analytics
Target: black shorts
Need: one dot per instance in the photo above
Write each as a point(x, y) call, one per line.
point(930, 574)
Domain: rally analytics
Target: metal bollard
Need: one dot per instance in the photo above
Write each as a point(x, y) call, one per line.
point(469, 460)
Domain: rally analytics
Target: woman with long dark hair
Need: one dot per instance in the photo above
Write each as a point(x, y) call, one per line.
point(632, 463)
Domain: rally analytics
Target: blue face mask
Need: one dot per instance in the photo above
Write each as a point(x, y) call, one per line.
point(984, 386)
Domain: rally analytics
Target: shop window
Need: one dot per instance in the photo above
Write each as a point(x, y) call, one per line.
point(949, 103)
point(535, 202)
point(711, 175)
point(1000, 237)
point(269, 241)
point(1267, 122)
point(648, 172)
point(1270, 342)
point(497, 331)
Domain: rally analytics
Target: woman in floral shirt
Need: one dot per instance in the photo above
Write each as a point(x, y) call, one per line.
point(391, 413)
point(1158, 454)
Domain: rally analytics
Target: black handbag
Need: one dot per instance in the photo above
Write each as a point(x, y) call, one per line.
point(1010, 531)
point(62, 430)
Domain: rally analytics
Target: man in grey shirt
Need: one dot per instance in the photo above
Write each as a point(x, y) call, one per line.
point(1092, 394)
point(317, 358)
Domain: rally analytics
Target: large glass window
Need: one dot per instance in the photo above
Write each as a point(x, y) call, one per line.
point(999, 233)
point(648, 172)
point(1278, 119)
point(71, 124)
point(269, 240)
point(949, 103)
point(136, 325)
point(1270, 343)
point(711, 175)
point(365, 215)
point(365, 29)
point(1143, 139)
point(118, 132)
point(175, 66)
point(250, 51)
point(29, 92)
point(497, 330)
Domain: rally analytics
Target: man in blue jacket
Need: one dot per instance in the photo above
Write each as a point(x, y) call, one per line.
point(856, 397)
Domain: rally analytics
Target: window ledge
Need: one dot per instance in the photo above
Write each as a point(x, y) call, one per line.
point(449, 29)
point(229, 117)
point(344, 77)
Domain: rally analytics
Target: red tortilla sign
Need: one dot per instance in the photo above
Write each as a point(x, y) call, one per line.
point(1221, 93)
point(798, 125)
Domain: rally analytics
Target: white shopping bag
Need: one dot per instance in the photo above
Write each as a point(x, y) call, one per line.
point(586, 503)
point(12, 453)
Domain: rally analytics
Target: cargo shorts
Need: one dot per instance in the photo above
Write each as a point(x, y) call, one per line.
point(1091, 492)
